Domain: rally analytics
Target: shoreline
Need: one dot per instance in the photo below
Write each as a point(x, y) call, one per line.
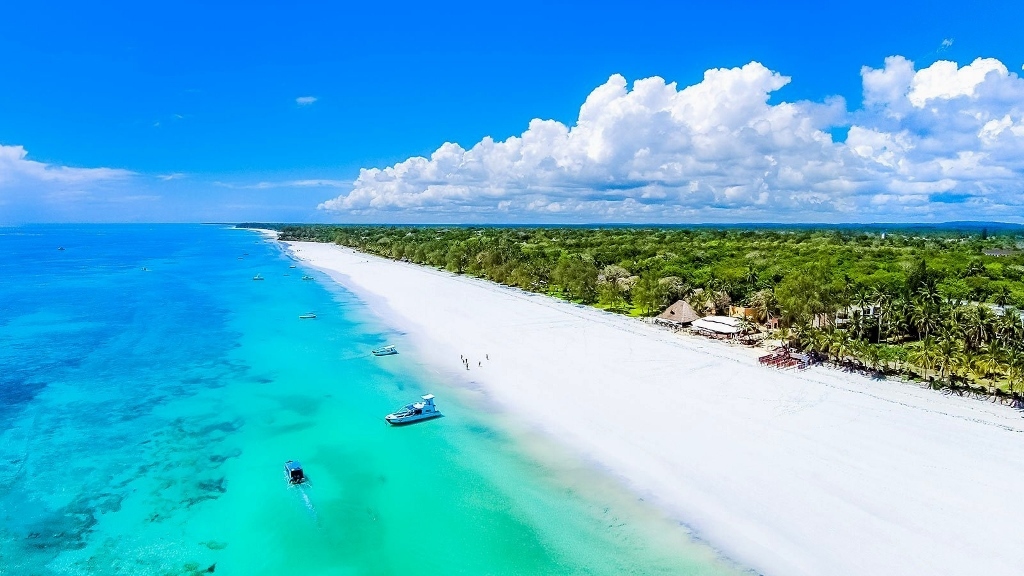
point(817, 472)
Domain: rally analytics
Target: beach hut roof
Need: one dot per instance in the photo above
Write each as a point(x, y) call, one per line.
point(719, 324)
point(680, 312)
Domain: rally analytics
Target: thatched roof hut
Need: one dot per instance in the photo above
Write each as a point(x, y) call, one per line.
point(678, 314)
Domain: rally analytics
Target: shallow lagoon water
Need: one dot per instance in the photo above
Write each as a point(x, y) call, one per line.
point(151, 391)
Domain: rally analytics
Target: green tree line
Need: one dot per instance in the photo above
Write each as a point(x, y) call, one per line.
point(941, 305)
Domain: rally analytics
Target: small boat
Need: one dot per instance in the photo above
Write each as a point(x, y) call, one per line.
point(294, 474)
point(292, 266)
point(257, 277)
point(414, 412)
point(60, 248)
point(385, 350)
point(307, 277)
point(144, 269)
point(308, 316)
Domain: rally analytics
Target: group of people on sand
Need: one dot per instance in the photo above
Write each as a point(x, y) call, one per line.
point(480, 364)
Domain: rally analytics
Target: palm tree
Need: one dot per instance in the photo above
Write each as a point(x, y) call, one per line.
point(967, 362)
point(764, 304)
point(925, 355)
point(947, 356)
point(924, 317)
point(856, 324)
point(1010, 325)
point(838, 345)
point(989, 362)
point(1015, 367)
point(701, 300)
point(1002, 297)
point(883, 300)
point(872, 356)
point(929, 295)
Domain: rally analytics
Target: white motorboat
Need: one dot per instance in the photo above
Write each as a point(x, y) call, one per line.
point(309, 316)
point(414, 412)
point(385, 350)
point(257, 277)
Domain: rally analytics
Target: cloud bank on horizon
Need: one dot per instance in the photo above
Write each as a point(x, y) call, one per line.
point(942, 142)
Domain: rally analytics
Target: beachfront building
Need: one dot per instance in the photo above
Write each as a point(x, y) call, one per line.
point(718, 326)
point(677, 315)
point(743, 312)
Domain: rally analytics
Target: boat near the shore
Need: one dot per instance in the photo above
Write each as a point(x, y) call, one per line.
point(385, 350)
point(307, 277)
point(294, 474)
point(307, 316)
point(415, 412)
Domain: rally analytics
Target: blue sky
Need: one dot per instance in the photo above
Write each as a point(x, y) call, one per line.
point(186, 112)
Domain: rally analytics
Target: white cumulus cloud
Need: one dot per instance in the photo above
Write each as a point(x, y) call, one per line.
point(721, 149)
point(305, 100)
point(17, 169)
point(29, 188)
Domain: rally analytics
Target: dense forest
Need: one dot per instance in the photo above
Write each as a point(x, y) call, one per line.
point(940, 305)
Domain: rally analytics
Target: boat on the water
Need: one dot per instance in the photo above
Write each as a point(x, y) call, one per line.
point(294, 474)
point(385, 350)
point(307, 277)
point(292, 266)
point(414, 412)
point(307, 316)
point(257, 277)
point(60, 248)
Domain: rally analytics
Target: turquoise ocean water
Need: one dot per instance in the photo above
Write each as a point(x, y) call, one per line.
point(151, 391)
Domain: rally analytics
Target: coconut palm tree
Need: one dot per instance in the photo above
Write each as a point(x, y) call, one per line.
point(872, 356)
point(947, 356)
point(883, 300)
point(856, 324)
point(764, 304)
point(924, 317)
point(928, 294)
point(925, 355)
point(838, 345)
point(1010, 325)
point(1015, 368)
point(989, 362)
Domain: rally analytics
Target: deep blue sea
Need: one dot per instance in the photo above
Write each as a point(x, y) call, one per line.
point(151, 390)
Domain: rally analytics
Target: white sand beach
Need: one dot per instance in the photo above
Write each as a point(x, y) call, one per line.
point(817, 472)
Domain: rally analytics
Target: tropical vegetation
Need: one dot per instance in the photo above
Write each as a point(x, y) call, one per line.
point(938, 304)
